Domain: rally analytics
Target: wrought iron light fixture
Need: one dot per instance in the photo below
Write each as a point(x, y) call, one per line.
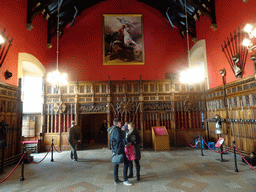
point(5, 44)
point(56, 78)
point(7, 74)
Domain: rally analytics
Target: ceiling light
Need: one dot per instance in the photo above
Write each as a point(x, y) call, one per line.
point(56, 78)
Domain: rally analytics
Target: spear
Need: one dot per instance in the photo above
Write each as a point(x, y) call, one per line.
point(235, 38)
point(231, 120)
point(230, 47)
point(237, 120)
point(244, 117)
point(249, 122)
point(232, 44)
point(229, 56)
point(243, 130)
point(253, 127)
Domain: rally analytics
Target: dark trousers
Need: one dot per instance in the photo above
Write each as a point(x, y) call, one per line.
point(73, 152)
point(116, 167)
point(137, 163)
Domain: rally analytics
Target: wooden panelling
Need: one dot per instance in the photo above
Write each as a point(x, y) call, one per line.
point(147, 103)
point(10, 113)
point(238, 116)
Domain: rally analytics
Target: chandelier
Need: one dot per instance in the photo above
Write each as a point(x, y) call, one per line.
point(249, 42)
point(56, 78)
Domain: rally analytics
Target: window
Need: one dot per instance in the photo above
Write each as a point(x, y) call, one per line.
point(32, 94)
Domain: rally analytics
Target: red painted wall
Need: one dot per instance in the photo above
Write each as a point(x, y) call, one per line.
point(81, 45)
point(230, 15)
point(13, 16)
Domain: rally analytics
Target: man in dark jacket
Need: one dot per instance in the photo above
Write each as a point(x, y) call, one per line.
point(117, 142)
point(72, 132)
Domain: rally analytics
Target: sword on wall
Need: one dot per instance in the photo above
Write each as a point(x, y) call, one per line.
point(231, 120)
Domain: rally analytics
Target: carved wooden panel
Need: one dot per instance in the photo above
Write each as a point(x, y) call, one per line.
point(10, 113)
point(157, 97)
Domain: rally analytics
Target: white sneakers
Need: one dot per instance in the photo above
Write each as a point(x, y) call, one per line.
point(127, 182)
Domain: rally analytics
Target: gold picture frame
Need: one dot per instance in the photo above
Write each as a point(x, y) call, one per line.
point(123, 39)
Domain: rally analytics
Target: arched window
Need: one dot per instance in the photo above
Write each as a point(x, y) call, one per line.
point(31, 71)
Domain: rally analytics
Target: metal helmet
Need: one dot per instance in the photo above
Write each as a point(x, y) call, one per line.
point(218, 127)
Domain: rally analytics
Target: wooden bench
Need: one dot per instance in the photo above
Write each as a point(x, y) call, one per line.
point(31, 146)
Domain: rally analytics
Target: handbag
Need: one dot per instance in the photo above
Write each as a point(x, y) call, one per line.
point(129, 152)
point(117, 158)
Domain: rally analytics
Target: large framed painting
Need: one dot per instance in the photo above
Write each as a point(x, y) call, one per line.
point(123, 39)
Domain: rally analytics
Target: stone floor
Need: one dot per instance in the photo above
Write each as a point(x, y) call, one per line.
point(181, 169)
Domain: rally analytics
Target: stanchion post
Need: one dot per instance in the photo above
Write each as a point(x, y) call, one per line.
point(221, 155)
point(52, 151)
point(234, 146)
point(2, 164)
point(22, 163)
point(201, 140)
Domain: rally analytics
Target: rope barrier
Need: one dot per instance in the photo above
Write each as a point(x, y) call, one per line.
point(62, 149)
point(57, 149)
point(40, 160)
point(216, 151)
point(245, 159)
point(188, 140)
point(13, 169)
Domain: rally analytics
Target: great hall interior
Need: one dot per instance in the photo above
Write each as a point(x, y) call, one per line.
point(183, 65)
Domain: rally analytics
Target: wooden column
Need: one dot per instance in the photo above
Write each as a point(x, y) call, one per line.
point(55, 123)
point(76, 103)
point(141, 113)
point(52, 123)
point(68, 117)
point(64, 122)
point(60, 119)
point(172, 119)
point(48, 120)
point(141, 123)
point(43, 112)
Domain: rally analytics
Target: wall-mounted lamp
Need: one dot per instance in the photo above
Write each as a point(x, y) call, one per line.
point(251, 31)
point(7, 74)
point(5, 44)
point(1, 39)
point(223, 74)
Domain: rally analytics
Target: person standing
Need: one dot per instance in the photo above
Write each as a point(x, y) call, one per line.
point(104, 132)
point(73, 138)
point(133, 138)
point(125, 127)
point(117, 142)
